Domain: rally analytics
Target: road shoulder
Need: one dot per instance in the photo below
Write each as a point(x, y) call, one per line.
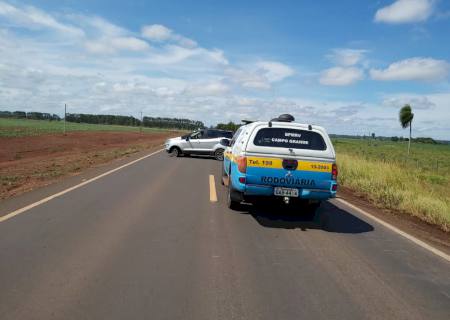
point(428, 233)
point(27, 198)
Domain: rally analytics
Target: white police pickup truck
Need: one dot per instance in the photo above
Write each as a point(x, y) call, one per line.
point(282, 159)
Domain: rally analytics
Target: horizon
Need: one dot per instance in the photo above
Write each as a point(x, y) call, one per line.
point(348, 66)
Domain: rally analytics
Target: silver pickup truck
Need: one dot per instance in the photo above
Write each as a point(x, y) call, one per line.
point(201, 142)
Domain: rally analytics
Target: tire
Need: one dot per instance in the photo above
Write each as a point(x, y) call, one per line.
point(223, 175)
point(233, 197)
point(175, 152)
point(311, 211)
point(218, 154)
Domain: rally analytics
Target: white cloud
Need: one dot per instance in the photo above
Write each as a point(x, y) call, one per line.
point(247, 79)
point(405, 11)
point(421, 69)
point(245, 101)
point(207, 89)
point(415, 101)
point(129, 43)
point(111, 45)
point(185, 42)
point(156, 32)
point(275, 71)
point(174, 54)
point(160, 33)
point(33, 18)
point(96, 27)
point(98, 47)
point(347, 57)
point(341, 76)
point(260, 75)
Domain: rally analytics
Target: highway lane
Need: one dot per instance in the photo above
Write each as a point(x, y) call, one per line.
point(147, 242)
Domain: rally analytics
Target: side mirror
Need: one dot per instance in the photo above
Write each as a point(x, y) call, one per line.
point(188, 138)
point(225, 142)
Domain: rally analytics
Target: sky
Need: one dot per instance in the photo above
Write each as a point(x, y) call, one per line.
point(346, 65)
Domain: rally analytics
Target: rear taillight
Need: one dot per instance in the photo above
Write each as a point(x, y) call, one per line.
point(334, 171)
point(242, 179)
point(242, 164)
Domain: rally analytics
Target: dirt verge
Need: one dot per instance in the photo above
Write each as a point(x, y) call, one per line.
point(426, 232)
point(27, 163)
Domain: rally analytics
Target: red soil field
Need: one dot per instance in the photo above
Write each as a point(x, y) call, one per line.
point(30, 162)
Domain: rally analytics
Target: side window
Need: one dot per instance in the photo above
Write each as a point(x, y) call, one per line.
point(196, 135)
point(213, 134)
point(236, 135)
point(228, 135)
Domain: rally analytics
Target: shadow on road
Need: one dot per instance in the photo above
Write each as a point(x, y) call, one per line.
point(328, 218)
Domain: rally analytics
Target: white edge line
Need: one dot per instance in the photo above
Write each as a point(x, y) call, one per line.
point(35, 204)
point(398, 231)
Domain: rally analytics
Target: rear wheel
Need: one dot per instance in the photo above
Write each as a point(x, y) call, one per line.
point(218, 154)
point(311, 211)
point(233, 197)
point(306, 209)
point(224, 176)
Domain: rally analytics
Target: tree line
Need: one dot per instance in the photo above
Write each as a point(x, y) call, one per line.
point(172, 123)
point(151, 122)
point(102, 119)
point(29, 115)
point(230, 126)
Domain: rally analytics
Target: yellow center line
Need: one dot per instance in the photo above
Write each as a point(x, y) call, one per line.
point(212, 189)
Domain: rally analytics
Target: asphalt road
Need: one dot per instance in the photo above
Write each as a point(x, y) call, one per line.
point(146, 242)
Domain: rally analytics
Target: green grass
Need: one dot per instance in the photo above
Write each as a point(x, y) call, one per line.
point(25, 127)
point(418, 185)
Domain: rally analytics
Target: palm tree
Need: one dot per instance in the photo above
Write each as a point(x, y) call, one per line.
point(406, 117)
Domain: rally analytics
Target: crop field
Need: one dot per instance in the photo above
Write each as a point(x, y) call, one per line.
point(27, 127)
point(381, 171)
point(34, 153)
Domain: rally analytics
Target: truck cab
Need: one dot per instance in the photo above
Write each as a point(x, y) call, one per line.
point(280, 159)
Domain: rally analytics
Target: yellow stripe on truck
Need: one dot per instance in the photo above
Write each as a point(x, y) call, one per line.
point(278, 164)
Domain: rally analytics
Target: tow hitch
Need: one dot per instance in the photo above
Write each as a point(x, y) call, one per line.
point(286, 200)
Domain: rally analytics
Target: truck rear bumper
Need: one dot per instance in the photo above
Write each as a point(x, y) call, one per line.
point(304, 193)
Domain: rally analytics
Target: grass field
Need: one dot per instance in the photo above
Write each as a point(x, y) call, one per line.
point(25, 127)
point(380, 170)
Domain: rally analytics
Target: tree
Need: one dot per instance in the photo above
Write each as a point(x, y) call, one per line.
point(231, 126)
point(406, 117)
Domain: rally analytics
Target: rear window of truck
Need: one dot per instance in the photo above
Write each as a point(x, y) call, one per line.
point(289, 138)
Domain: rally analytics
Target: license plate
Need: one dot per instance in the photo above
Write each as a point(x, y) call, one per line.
point(286, 192)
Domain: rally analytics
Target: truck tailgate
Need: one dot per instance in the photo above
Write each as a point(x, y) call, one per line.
point(288, 172)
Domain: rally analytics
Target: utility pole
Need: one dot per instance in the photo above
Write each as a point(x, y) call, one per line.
point(65, 113)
